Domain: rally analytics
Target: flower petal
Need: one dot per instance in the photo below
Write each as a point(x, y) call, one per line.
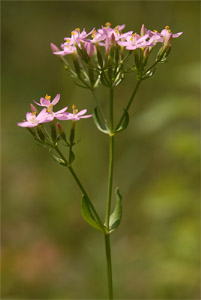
point(82, 112)
point(44, 102)
point(56, 99)
point(61, 110)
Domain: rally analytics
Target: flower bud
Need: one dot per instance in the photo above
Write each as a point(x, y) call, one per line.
point(143, 30)
point(99, 56)
point(54, 48)
point(145, 55)
point(61, 132)
point(76, 63)
point(33, 109)
point(90, 48)
point(72, 133)
point(53, 131)
point(112, 39)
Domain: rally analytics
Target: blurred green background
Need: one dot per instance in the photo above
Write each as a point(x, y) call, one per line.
point(48, 251)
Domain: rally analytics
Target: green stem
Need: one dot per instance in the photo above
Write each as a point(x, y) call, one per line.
point(80, 186)
point(109, 265)
point(109, 198)
point(130, 101)
point(85, 194)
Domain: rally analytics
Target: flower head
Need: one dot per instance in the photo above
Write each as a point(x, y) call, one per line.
point(70, 44)
point(46, 102)
point(76, 116)
point(33, 120)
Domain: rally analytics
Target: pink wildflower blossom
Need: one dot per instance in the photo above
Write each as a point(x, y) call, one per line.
point(76, 116)
point(60, 115)
point(135, 41)
point(164, 34)
point(70, 42)
point(32, 120)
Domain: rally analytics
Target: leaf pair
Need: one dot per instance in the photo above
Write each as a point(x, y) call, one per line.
point(104, 128)
point(115, 217)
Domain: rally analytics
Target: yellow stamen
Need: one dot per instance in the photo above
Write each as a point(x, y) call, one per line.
point(75, 111)
point(131, 39)
point(134, 34)
point(167, 27)
point(49, 108)
point(93, 34)
point(67, 40)
point(108, 24)
point(155, 31)
point(77, 29)
point(33, 113)
point(73, 32)
point(117, 27)
point(47, 97)
point(73, 106)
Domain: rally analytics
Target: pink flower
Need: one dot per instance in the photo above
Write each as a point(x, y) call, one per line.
point(135, 41)
point(76, 116)
point(109, 35)
point(33, 120)
point(60, 115)
point(90, 48)
point(165, 34)
point(69, 46)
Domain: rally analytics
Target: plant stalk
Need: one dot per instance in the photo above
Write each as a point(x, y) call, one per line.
point(109, 265)
point(81, 187)
point(109, 198)
point(130, 101)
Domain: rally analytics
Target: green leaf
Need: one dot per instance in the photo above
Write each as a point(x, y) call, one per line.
point(57, 159)
point(149, 73)
point(88, 215)
point(80, 85)
point(115, 217)
point(98, 122)
point(124, 123)
point(71, 157)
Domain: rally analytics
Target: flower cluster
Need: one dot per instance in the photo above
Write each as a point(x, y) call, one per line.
point(101, 56)
point(106, 36)
point(47, 114)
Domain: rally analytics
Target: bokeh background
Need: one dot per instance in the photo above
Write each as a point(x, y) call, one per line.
point(48, 251)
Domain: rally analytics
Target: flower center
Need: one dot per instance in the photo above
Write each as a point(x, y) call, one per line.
point(108, 24)
point(93, 34)
point(49, 108)
point(47, 97)
point(75, 111)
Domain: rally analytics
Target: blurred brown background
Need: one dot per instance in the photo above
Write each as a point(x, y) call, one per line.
point(48, 251)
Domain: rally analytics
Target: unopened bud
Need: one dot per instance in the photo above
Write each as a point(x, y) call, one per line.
point(53, 131)
point(90, 48)
point(61, 132)
point(99, 56)
point(76, 63)
point(72, 133)
point(143, 30)
point(33, 109)
point(145, 55)
point(54, 48)
point(112, 39)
